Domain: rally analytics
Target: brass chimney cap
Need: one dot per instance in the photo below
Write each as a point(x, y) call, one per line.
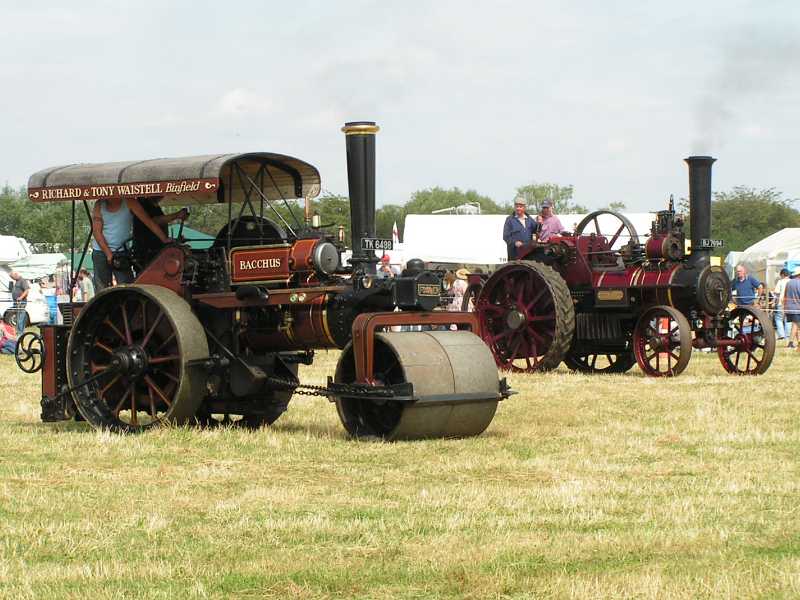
point(360, 128)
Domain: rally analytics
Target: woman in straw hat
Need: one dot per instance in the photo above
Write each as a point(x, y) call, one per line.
point(458, 289)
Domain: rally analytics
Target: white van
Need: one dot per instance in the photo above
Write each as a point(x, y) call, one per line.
point(37, 308)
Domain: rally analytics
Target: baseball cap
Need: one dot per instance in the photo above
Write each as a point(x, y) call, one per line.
point(547, 204)
point(385, 258)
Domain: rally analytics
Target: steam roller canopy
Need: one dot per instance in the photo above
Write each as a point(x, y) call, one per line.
point(455, 383)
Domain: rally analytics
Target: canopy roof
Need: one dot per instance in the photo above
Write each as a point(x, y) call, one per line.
point(191, 179)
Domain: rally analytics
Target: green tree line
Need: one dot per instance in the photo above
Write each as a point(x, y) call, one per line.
point(740, 216)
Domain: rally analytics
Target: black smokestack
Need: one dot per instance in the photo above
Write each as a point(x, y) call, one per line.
point(700, 207)
point(360, 140)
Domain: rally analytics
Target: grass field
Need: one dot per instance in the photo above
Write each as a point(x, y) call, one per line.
point(605, 486)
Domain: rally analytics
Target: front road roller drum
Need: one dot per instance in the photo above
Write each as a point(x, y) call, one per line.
point(454, 379)
point(140, 348)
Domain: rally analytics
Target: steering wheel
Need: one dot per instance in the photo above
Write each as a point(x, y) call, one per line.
point(29, 352)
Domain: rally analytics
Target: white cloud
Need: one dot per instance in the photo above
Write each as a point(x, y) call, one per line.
point(244, 102)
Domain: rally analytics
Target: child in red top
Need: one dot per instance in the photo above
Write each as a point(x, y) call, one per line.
point(8, 337)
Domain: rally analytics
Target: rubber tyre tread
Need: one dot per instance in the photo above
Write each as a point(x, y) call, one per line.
point(564, 312)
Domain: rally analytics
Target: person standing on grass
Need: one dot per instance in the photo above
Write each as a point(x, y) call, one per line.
point(791, 308)
point(746, 288)
point(778, 293)
point(85, 285)
point(19, 294)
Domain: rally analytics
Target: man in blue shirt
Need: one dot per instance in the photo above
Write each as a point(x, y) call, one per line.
point(791, 308)
point(745, 288)
point(518, 229)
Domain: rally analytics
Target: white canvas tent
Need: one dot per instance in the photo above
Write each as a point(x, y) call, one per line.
point(766, 258)
point(478, 239)
point(37, 266)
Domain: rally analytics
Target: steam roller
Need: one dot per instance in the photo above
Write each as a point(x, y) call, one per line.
point(217, 335)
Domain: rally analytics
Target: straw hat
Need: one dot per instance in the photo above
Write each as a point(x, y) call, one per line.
point(462, 273)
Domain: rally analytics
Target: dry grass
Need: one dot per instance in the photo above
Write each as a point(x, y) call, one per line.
point(606, 486)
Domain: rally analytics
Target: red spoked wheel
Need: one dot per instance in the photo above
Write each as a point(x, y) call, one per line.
point(751, 346)
point(141, 350)
point(662, 342)
point(527, 317)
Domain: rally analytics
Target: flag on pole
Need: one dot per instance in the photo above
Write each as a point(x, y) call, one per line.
point(395, 236)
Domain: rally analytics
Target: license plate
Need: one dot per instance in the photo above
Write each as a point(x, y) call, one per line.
point(708, 243)
point(376, 244)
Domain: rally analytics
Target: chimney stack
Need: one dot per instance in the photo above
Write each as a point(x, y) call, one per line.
point(700, 207)
point(360, 142)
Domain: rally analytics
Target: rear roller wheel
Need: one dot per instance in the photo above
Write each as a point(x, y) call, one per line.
point(527, 317)
point(662, 342)
point(600, 362)
point(145, 343)
point(441, 365)
point(754, 343)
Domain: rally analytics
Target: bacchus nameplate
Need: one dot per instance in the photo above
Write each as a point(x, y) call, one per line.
point(259, 264)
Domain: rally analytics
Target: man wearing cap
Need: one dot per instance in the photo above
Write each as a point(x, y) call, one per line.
point(549, 224)
point(745, 287)
point(791, 308)
point(518, 229)
point(386, 270)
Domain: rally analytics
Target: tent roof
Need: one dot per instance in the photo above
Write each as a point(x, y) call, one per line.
point(784, 240)
point(38, 265)
point(206, 178)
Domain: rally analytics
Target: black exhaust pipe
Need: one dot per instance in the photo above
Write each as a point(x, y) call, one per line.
point(360, 141)
point(700, 208)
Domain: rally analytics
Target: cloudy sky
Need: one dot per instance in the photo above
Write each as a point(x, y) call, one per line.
point(606, 96)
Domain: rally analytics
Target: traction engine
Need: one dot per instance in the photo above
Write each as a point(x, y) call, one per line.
point(216, 335)
point(602, 301)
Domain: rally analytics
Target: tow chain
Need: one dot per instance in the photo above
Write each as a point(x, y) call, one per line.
point(341, 389)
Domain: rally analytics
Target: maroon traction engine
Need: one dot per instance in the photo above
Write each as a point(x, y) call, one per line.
point(602, 306)
point(216, 335)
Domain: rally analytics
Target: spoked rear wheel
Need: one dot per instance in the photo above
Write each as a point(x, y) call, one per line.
point(145, 344)
point(753, 346)
point(662, 342)
point(527, 317)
